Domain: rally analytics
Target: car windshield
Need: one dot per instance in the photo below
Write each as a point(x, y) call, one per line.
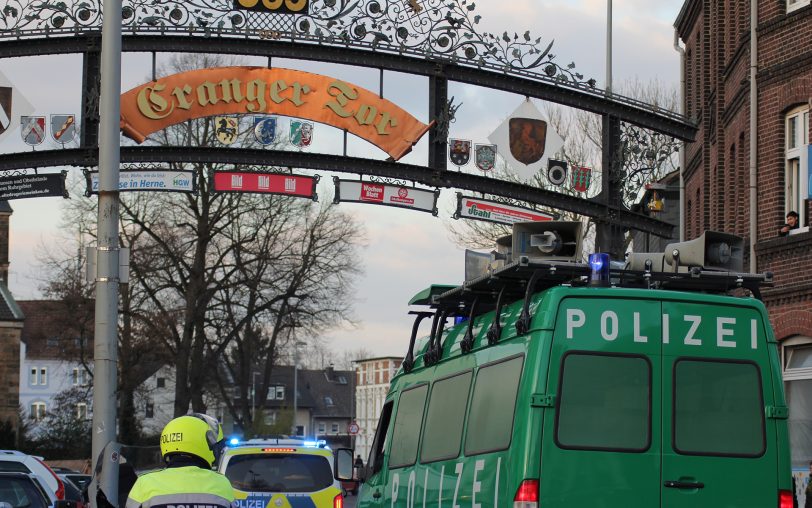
point(21, 493)
point(279, 472)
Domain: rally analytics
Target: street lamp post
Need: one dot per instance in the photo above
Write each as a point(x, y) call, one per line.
point(295, 388)
point(254, 395)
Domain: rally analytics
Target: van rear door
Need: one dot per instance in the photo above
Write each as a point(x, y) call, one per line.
point(601, 443)
point(719, 449)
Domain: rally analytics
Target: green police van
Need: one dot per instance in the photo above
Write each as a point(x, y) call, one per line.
point(569, 384)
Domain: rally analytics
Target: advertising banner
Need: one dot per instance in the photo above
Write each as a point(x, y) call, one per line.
point(33, 186)
point(494, 211)
point(286, 184)
point(146, 180)
point(354, 191)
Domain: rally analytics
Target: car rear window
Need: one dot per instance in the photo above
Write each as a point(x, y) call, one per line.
point(12, 466)
point(718, 408)
point(279, 472)
point(21, 493)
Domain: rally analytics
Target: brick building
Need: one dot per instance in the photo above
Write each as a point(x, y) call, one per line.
point(717, 93)
point(11, 324)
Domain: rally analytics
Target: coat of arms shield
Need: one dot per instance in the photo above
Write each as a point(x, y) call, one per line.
point(485, 156)
point(265, 129)
point(226, 129)
point(459, 151)
point(580, 178)
point(526, 138)
point(301, 133)
point(63, 128)
point(32, 129)
point(5, 108)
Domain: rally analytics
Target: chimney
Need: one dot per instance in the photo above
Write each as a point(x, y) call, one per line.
point(329, 372)
point(5, 219)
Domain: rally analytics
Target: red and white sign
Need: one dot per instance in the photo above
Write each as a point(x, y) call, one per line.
point(265, 183)
point(354, 191)
point(494, 211)
point(353, 428)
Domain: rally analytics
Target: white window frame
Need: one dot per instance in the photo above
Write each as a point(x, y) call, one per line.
point(794, 5)
point(796, 186)
point(322, 427)
point(38, 411)
point(43, 376)
point(33, 376)
point(280, 393)
point(81, 411)
point(334, 428)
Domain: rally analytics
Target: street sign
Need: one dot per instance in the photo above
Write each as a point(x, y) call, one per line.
point(353, 428)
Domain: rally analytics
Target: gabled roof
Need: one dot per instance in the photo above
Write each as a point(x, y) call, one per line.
point(315, 387)
point(51, 329)
point(9, 310)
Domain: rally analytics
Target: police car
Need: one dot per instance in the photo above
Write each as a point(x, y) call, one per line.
point(286, 473)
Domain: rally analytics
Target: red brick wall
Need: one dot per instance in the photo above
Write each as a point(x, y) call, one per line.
point(9, 373)
point(717, 40)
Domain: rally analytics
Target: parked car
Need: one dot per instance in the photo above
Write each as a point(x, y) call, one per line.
point(81, 480)
point(16, 461)
point(22, 490)
point(73, 492)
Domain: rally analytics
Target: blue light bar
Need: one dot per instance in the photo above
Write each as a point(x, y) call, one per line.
point(233, 441)
point(311, 444)
point(599, 263)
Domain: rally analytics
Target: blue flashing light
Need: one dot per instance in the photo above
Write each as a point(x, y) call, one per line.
point(233, 441)
point(460, 319)
point(311, 444)
point(599, 263)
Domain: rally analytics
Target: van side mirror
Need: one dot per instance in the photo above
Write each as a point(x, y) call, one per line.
point(342, 464)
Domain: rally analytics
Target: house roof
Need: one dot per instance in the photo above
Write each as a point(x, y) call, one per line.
point(51, 328)
point(9, 310)
point(326, 392)
point(5, 207)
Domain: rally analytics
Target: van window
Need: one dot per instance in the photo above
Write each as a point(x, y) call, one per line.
point(444, 421)
point(490, 421)
point(718, 408)
point(604, 402)
point(406, 432)
point(375, 460)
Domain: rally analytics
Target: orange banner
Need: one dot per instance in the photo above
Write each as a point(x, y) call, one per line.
point(257, 90)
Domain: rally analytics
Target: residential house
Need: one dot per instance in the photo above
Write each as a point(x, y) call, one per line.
point(11, 324)
point(748, 83)
point(372, 377)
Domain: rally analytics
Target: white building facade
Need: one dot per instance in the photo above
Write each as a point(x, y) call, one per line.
point(372, 379)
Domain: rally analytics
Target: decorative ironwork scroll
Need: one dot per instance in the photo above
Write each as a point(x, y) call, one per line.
point(440, 29)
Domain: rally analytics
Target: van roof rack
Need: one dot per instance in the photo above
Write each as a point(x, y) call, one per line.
point(526, 276)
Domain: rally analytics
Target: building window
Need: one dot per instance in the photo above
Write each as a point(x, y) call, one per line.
point(280, 393)
point(32, 380)
point(43, 376)
point(52, 341)
point(797, 360)
point(322, 427)
point(328, 401)
point(161, 382)
point(38, 411)
point(79, 376)
point(793, 5)
point(149, 410)
point(334, 428)
point(796, 188)
point(81, 411)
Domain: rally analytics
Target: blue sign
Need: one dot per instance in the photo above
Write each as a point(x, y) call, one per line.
point(265, 129)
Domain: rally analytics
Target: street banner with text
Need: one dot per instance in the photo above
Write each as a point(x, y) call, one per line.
point(286, 184)
point(202, 93)
point(146, 180)
point(354, 191)
point(494, 211)
point(33, 186)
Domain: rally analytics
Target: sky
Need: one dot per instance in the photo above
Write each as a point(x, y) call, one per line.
point(407, 250)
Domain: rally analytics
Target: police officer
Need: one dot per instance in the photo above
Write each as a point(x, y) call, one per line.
point(190, 446)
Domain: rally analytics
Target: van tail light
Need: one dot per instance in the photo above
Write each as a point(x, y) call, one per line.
point(784, 499)
point(338, 501)
point(527, 495)
point(60, 487)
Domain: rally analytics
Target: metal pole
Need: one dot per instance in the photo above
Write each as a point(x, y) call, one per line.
point(295, 388)
point(107, 267)
point(608, 47)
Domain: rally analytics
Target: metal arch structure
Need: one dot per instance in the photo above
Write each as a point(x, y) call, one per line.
point(438, 39)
